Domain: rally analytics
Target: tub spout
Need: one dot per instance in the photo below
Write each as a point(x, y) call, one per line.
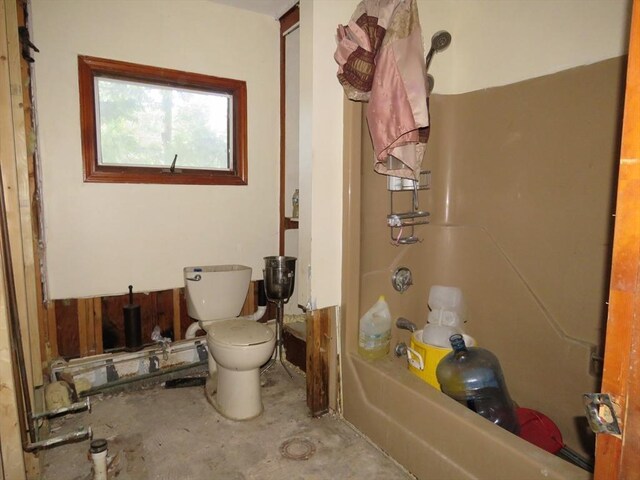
point(405, 324)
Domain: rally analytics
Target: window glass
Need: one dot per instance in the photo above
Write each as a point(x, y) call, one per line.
point(144, 124)
point(147, 125)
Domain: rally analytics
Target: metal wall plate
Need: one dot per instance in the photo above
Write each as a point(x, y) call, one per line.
point(402, 279)
point(601, 413)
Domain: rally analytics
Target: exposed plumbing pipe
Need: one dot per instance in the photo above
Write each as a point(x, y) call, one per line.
point(26, 418)
point(83, 433)
point(258, 314)
point(15, 335)
point(191, 330)
point(98, 452)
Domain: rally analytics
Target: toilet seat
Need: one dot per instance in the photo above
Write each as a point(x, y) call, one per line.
point(239, 332)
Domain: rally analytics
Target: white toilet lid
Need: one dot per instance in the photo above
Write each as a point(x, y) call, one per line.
point(240, 332)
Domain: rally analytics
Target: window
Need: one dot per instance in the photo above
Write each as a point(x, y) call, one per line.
point(144, 124)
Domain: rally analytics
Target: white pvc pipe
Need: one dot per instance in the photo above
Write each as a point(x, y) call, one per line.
point(195, 326)
point(99, 457)
point(99, 465)
point(258, 314)
point(191, 331)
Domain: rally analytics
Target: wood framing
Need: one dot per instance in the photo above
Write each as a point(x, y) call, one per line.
point(89, 326)
point(97, 326)
point(83, 330)
point(33, 188)
point(52, 347)
point(15, 172)
point(177, 331)
point(12, 162)
point(10, 438)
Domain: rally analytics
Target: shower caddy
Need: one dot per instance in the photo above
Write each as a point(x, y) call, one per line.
point(403, 223)
point(398, 221)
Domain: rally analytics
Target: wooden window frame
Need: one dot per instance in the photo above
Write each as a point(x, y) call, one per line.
point(290, 18)
point(90, 67)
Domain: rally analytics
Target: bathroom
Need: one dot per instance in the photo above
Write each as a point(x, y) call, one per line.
point(101, 237)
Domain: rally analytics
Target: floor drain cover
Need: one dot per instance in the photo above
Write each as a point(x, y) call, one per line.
point(297, 449)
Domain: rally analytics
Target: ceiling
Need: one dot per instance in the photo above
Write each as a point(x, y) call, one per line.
point(272, 8)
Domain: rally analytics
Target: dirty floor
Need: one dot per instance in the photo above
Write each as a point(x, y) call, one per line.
point(160, 433)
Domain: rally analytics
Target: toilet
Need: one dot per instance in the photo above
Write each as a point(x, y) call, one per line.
point(237, 346)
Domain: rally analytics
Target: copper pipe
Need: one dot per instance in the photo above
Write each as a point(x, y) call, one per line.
point(15, 336)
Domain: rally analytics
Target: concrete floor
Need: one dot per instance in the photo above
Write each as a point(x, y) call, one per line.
point(160, 433)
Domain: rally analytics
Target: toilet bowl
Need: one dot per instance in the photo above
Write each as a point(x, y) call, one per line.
point(237, 346)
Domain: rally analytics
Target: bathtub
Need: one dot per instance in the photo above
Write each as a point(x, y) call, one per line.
point(434, 437)
point(428, 433)
point(516, 308)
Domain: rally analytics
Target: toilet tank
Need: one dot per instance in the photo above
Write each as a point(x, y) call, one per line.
point(216, 291)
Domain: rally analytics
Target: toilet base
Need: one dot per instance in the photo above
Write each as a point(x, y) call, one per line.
point(235, 394)
point(210, 386)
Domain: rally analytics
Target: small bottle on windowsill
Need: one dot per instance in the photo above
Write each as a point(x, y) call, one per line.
point(295, 200)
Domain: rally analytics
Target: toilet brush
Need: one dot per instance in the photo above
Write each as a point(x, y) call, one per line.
point(132, 324)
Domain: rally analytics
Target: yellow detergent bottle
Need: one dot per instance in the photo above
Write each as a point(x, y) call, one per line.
point(375, 331)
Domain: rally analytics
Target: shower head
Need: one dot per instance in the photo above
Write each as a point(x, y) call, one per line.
point(440, 41)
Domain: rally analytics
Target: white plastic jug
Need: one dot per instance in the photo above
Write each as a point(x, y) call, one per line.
point(446, 317)
point(375, 331)
point(446, 298)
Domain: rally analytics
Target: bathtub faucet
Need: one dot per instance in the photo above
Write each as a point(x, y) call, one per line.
point(405, 324)
point(401, 349)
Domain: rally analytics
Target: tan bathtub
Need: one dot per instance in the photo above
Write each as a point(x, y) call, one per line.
point(529, 254)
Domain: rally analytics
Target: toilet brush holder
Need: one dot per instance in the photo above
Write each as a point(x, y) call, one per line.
point(132, 324)
point(279, 281)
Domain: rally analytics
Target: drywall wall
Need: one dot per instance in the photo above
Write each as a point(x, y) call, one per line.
point(144, 234)
point(321, 125)
point(292, 144)
point(502, 41)
point(102, 237)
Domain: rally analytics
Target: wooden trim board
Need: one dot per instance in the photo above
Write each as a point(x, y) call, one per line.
point(619, 458)
point(318, 322)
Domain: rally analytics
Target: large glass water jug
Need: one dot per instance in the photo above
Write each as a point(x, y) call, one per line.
point(473, 377)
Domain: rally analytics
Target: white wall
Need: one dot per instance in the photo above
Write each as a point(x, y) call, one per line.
point(497, 42)
point(292, 118)
point(321, 117)
point(102, 237)
point(292, 156)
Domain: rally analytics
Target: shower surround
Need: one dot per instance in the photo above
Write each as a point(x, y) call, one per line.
point(521, 203)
